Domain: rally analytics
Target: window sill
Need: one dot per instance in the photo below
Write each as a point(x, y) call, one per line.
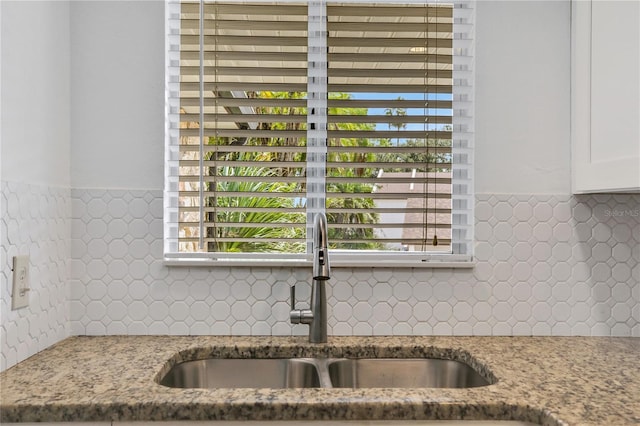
point(336, 262)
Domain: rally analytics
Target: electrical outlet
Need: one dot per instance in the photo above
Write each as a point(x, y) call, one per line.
point(20, 295)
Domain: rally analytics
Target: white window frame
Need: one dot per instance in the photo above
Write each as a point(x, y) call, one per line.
point(462, 173)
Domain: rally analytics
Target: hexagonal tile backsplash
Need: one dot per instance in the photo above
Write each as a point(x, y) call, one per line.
point(546, 265)
point(34, 220)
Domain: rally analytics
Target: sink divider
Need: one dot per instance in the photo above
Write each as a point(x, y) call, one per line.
point(322, 368)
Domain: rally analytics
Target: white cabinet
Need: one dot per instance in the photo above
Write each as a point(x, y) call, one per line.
point(605, 101)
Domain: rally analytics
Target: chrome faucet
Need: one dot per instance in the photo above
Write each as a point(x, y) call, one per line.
point(316, 315)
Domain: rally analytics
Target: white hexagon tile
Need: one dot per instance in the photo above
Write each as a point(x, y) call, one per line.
point(35, 221)
point(546, 265)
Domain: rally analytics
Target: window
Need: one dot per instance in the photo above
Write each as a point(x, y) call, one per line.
point(279, 110)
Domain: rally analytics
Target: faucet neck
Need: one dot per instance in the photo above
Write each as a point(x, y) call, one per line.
point(321, 268)
point(318, 325)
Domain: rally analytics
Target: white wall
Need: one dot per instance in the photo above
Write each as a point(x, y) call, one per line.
point(117, 95)
point(522, 109)
point(35, 92)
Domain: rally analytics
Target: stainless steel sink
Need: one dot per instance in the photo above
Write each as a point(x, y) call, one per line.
point(403, 373)
point(323, 372)
point(243, 373)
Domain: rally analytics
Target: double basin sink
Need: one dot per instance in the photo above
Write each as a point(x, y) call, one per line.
point(323, 373)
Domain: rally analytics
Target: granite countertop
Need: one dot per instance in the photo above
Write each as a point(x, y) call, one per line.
point(544, 380)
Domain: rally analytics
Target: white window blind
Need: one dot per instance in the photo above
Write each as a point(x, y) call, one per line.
point(278, 110)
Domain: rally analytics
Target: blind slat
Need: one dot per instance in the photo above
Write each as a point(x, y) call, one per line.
point(229, 40)
point(330, 164)
point(244, 24)
point(333, 72)
point(344, 134)
point(378, 10)
point(301, 87)
point(372, 181)
point(298, 118)
point(388, 42)
point(335, 225)
point(303, 149)
point(211, 54)
point(302, 210)
point(381, 196)
point(301, 103)
point(412, 241)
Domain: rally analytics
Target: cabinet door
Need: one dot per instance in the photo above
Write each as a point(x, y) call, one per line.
point(606, 96)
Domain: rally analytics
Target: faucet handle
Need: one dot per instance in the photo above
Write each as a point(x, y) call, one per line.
point(299, 316)
point(296, 314)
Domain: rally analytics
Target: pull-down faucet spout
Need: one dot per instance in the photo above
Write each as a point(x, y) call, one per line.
point(316, 315)
point(321, 269)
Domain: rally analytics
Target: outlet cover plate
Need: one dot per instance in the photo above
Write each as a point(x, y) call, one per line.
point(20, 294)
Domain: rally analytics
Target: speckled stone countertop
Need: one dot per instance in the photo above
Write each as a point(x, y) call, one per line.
point(544, 380)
